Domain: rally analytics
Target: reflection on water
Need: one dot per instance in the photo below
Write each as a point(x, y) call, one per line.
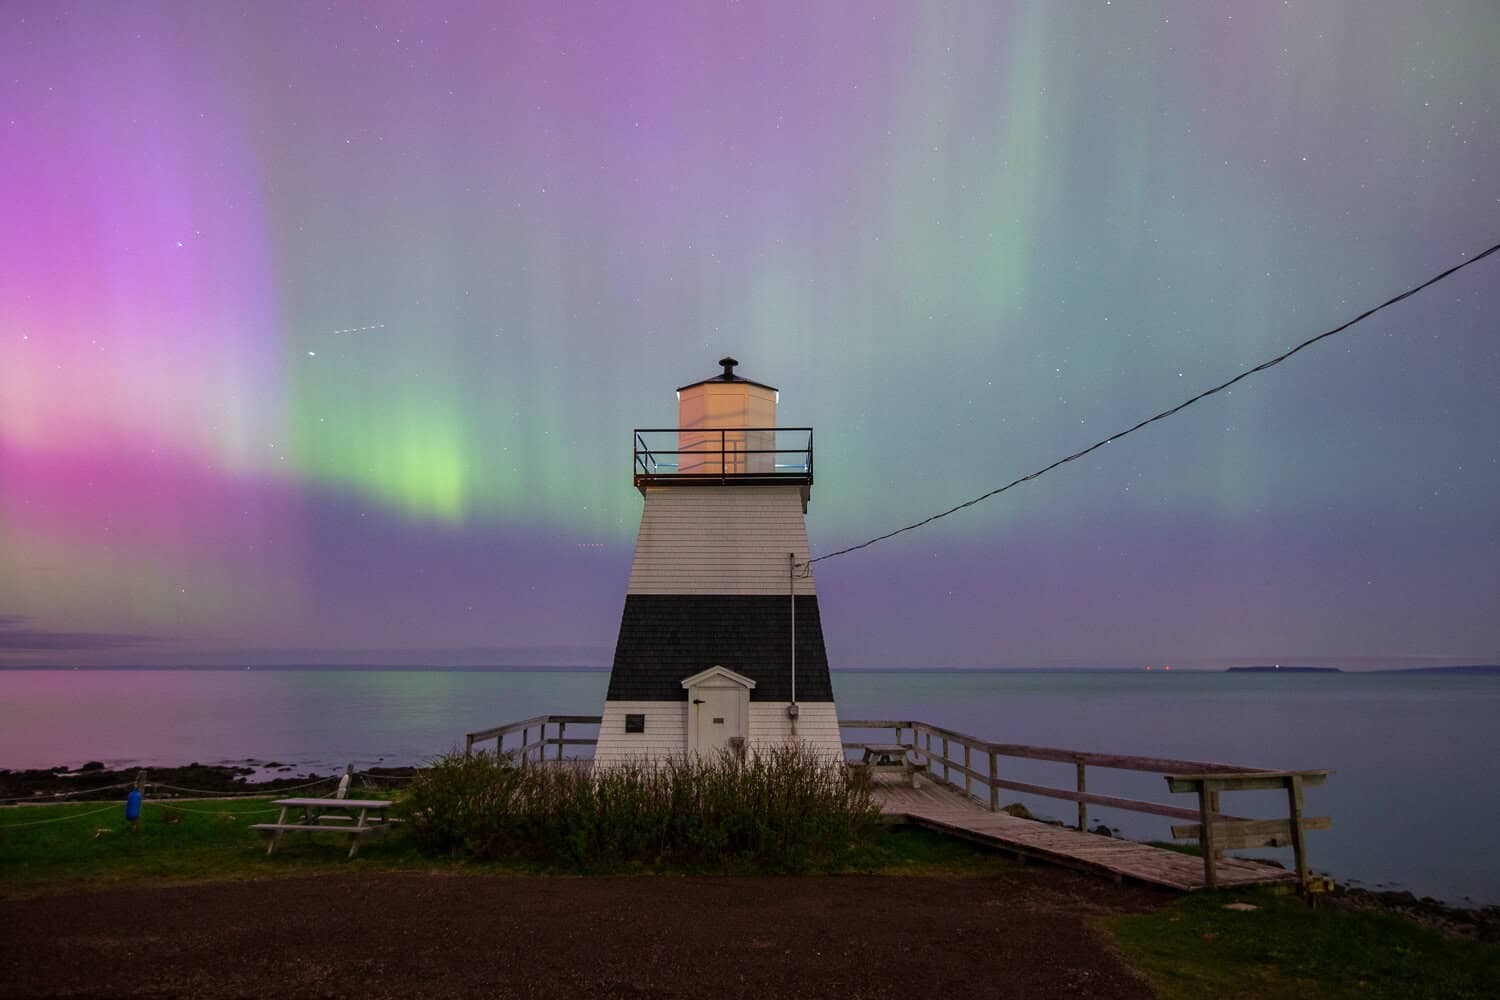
point(1413, 803)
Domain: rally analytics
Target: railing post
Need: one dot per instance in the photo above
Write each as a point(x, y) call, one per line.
point(994, 789)
point(468, 746)
point(1213, 805)
point(525, 739)
point(1206, 841)
point(1299, 848)
point(1083, 807)
point(968, 788)
point(562, 727)
point(946, 778)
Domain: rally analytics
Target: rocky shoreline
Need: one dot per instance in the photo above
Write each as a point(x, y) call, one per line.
point(1479, 923)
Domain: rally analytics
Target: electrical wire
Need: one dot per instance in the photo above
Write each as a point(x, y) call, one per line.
point(1278, 359)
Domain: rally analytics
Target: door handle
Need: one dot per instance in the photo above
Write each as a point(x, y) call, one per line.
point(697, 701)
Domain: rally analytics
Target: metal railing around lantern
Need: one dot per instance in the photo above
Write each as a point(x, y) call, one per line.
point(749, 456)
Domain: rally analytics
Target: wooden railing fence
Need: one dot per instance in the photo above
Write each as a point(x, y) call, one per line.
point(957, 754)
point(539, 745)
point(936, 747)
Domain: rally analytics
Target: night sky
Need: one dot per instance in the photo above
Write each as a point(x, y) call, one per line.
point(323, 329)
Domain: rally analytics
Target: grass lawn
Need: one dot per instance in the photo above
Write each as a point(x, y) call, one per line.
point(58, 848)
point(88, 845)
point(1191, 947)
point(1284, 948)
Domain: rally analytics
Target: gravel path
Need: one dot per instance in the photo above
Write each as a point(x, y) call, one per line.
point(1020, 934)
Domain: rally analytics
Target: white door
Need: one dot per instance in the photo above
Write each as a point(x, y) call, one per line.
point(719, 720)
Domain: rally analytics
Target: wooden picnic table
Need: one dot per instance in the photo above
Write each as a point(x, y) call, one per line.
point(890, 757)
point(351, 816)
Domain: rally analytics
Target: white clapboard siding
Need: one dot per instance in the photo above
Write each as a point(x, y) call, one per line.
point(817, 726)
point(666, 730)
point(720, 540)
point(665, 735)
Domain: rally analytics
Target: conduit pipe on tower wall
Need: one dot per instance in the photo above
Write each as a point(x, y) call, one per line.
point(791, 579)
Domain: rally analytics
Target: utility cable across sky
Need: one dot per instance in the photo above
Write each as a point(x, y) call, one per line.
point(1273, 362)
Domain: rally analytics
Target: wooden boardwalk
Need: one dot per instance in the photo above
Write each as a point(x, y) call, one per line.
point(938, 807)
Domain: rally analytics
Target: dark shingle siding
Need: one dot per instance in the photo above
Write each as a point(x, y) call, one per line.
point(665, 638)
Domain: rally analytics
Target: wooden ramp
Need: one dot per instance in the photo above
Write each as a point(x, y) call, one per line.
point(936, 807)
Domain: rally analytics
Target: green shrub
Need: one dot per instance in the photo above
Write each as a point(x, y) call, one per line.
point(782, 809)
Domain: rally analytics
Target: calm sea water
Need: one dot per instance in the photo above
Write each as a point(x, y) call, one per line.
point(1415, 802)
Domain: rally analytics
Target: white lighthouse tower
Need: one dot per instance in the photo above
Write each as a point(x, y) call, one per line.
point(720, 645)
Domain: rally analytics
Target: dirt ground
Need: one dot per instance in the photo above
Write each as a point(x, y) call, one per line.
point(1020, 934)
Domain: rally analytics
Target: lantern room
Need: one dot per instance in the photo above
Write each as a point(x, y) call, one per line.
point(726, 424)
point(726, 434)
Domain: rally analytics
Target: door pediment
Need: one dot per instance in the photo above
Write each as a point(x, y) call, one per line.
point(717, 673)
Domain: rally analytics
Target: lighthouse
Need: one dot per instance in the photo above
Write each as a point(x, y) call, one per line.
point(720, 646)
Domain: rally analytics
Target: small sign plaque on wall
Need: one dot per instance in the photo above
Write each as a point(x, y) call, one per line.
point(635, 723)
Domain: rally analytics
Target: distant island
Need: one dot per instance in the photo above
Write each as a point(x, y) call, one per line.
point(1285, 670)
point(1477, 668)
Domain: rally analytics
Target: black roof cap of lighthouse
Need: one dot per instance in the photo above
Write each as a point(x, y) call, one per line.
point(727, 375)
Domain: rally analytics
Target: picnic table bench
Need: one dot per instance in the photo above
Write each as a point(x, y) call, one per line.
point(351, 816)
point(890, 757)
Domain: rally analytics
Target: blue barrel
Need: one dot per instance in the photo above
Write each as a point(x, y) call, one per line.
point(133, 805)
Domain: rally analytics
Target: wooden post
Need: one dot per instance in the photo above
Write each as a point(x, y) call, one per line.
point(994, 790)
point(1206, 841)
point(525, 739)
point(468, 746)
point(968, 789)
point(1083, 807)
point(946, 777)
point(1213, 804)
point(562, 727)
point(931, 771)
point(1299, 848)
